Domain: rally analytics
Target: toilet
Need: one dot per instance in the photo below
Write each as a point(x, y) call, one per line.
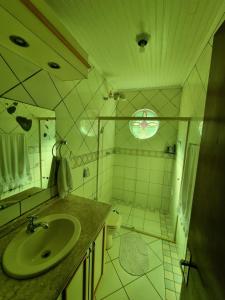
point(113, 223)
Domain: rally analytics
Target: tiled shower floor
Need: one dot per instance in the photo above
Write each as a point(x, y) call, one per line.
point(163, 281)
point(151, 222)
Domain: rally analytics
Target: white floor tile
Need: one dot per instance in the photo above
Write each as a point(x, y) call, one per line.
point(170, 295)
point(148, 239)
point(141, 289)
point(115, 250)
point(123, 275)
point(156, 246)
point(154, 261)
point(109, 283)
point(156, 277)
point(119, 295)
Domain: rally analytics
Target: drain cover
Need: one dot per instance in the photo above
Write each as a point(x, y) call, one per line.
point(46, 253)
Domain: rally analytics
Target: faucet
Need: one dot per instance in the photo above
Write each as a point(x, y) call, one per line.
point(31, 226)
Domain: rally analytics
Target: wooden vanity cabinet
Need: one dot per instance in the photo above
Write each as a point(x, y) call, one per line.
point(85, 281)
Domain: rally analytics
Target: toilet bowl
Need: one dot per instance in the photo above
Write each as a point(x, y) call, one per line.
point(113, 223)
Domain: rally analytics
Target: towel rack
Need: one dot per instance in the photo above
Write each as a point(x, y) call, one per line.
point(58, 145)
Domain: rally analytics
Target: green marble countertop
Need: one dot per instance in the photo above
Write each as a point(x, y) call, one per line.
point(48, 286)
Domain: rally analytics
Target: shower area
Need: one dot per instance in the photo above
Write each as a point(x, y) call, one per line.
point(136, 169)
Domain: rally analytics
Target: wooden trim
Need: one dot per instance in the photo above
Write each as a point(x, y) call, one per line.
point(146, 118)
point(33, 9)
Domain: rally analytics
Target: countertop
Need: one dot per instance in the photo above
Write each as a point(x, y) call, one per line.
point(48, 286)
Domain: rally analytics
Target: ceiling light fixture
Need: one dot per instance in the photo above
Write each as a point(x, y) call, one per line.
point(19, 41)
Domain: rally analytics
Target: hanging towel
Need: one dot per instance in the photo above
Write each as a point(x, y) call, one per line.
point(53, 172)
point(188, 183)
point(64, 178)
point(14, 162)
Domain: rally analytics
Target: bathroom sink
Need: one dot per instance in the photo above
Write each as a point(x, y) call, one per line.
point(30, 254)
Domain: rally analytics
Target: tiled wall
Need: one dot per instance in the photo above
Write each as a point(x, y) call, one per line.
point(76, 104)
point(142, 169)
point(192, 105)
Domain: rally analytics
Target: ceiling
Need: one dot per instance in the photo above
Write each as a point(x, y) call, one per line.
point(107, 30)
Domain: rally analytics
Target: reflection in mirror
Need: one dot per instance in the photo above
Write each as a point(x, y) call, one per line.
point(27, 135)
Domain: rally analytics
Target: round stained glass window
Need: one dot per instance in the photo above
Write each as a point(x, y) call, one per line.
point(144, 129)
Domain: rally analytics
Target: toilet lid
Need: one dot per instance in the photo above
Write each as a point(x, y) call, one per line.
point(113, 219)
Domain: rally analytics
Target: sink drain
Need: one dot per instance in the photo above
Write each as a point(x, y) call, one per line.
point(46, 253)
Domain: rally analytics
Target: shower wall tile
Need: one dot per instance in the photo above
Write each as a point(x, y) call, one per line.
point(144, 184)
point(165, 102)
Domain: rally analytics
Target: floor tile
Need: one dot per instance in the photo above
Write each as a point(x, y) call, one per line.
point(157, 248)
point(142, 289)
point(170, 295)
point(156, 277)
point(148, 239)
point(123, 275)
point(115, 250)
point(168, 275)
point(154, 261)
point(119, 295)
point(169, 284)
point(109, 283)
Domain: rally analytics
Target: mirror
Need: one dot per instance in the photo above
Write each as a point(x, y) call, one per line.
point(27, 135)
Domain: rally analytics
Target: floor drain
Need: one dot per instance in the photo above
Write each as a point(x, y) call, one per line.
point(46, 254)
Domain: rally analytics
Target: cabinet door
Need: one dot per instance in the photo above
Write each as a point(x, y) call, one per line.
point(75, 290)
point(99, 248)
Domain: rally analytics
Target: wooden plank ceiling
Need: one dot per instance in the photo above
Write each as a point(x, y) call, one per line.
point(107, 30)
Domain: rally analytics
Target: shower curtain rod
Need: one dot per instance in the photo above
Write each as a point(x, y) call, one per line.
point(146, 118)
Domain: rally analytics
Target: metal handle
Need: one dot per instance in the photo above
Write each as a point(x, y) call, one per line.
point(185, 266)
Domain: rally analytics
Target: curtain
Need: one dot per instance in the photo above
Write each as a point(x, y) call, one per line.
point(14, 162)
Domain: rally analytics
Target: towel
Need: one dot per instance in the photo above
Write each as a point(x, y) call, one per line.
point(53, 172)
point(64, 178)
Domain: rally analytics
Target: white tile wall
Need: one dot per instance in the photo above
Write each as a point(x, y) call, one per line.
point(192, 105)
point(142, 185)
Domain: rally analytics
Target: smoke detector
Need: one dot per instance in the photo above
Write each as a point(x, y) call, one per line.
point(142, 40)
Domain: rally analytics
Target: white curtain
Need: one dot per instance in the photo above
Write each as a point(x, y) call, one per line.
point(14, 162)
point(187, 187)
